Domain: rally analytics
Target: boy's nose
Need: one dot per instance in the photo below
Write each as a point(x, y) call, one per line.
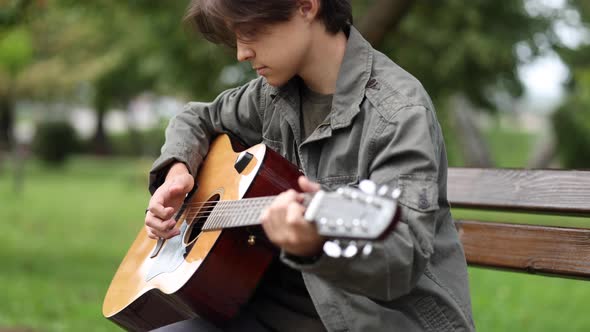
point(245, 53)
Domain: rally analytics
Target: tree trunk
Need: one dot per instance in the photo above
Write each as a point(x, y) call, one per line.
point(544, 154)
point(474, 148)
point(381, 17)
point(100, 142)
point(6, 122)
point(135, 137)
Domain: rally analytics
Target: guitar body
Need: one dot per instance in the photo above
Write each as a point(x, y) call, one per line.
point(218, 270)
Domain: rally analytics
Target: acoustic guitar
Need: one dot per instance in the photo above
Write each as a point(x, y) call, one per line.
point(215, 264)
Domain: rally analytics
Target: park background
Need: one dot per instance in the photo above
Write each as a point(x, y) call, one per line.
point(87, 88)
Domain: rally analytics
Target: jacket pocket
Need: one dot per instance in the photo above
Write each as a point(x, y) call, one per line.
point(335, 182)
point(432, 315)
point(419, 193)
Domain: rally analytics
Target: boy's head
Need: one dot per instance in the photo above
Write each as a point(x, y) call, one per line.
point(273, 35)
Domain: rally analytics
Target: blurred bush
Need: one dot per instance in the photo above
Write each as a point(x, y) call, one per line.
point(572, 127)
point(144, 143)
point(54, 142)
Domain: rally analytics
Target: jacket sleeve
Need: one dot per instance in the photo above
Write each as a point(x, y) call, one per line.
point(406, 155)
point(237, 112)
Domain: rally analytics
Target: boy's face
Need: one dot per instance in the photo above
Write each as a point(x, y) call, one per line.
point(279, 51)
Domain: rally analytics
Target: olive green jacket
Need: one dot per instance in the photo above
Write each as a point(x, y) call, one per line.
point(382, 127)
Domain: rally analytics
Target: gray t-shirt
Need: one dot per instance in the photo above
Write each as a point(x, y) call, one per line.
point(282, 302)
point(315, 108)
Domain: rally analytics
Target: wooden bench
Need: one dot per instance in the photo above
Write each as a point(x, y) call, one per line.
point(537, 249)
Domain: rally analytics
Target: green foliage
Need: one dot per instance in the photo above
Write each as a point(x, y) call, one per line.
point(54, 142)
point(16, 50)
point(466, 47)
point(11, 11)
point(451, 46)
point(572, 127)
point(571, 122)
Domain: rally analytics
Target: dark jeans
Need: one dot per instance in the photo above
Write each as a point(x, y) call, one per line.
point(243, 322)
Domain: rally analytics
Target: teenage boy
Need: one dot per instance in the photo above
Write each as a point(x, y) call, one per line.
point(343, 112)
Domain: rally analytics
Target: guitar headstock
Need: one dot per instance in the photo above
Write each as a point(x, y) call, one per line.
point(353, 215)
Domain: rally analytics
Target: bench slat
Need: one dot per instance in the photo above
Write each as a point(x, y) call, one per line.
point(544, 191)
point(526, 248)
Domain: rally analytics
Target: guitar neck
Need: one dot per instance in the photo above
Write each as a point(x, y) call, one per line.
point(236, 213)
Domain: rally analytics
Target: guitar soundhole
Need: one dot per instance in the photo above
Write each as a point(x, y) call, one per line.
point(199, 218)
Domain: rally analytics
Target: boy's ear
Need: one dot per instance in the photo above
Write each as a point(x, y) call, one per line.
point(309, 9)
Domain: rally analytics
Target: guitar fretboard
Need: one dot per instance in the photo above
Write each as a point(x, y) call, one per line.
point(238, 213)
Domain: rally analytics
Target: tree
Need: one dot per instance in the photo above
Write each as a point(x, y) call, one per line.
point(465, 51)
point(15, 54)
point(571, 122)
point(121, 49)
point(455, 48)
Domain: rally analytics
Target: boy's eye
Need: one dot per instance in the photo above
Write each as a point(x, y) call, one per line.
point(246, 36)
point(247, 33)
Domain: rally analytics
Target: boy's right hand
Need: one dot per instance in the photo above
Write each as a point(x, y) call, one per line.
point(165, 202)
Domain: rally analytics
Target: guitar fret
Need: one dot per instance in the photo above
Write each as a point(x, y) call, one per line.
point(213, 219)
point(230, 215)
point(236, 213)
point(222, 219)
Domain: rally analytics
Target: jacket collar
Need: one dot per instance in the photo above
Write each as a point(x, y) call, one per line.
point(350, 85)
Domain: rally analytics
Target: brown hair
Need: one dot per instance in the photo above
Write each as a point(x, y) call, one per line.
point(219, 20)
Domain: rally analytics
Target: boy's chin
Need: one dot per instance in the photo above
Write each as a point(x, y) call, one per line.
point(273, 81)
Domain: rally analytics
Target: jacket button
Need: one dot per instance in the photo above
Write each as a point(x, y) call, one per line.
point(372, 84)
point(423, 202)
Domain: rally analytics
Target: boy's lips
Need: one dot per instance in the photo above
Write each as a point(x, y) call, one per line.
point(260, 70)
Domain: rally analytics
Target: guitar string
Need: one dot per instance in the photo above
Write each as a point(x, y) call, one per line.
point(232, 201)
point(222, 225)
point(251, 199)
point(232, 207)
point(225, 209)
point(223, 212)
point(221, 206)
point(208, 214)
point(229, 208)
point(230, 204)
point(229, 211)
point(221, 209)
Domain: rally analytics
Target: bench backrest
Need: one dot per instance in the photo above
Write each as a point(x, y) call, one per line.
point(563, 251)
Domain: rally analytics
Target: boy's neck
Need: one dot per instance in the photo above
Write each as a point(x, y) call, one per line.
point(322, 63)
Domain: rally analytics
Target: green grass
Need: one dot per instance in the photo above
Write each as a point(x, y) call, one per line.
point(508, 301)
point(62, 240)
point(66, 233)
point(522, 218)
point(509, 148)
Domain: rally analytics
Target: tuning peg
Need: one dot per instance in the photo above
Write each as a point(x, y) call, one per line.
point(367, 249)
point(383, 190)
point(396, 193)
point(368, 187)
point(333, 249)
point(351, 250)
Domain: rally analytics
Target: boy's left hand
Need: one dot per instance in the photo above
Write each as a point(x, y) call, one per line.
point(284, 225)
